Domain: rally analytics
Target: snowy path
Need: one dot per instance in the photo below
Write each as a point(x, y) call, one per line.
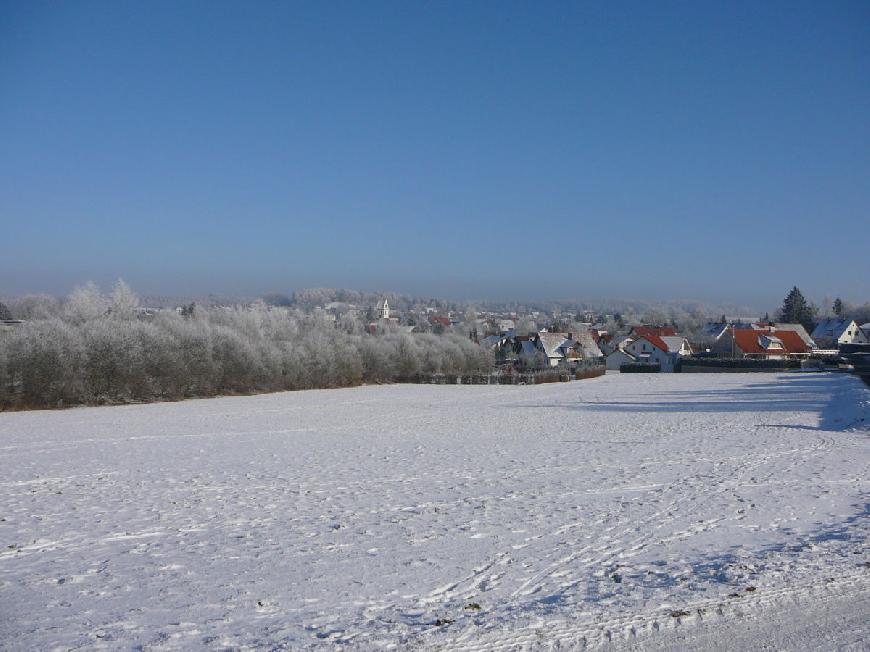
point(651, 510)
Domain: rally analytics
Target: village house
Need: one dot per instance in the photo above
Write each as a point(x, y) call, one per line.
point(714, 330)
point(769, 344)
point(796, 328)
point(645, 331)
point(831, 333)
point(567, 349)
point(618, 358)
point(665, 350)
point(502, 347)
point(610, 343)
point(587, 341)
point(613, 342)
point(440, 322)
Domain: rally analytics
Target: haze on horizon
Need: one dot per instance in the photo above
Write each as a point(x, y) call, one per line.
point(711, 152)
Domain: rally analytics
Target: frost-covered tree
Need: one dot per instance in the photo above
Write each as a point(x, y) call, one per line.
point(86, 303)
point(89, 353)
point(36, 306)
point(532, 360)
point(525, 326)
point(123, 302)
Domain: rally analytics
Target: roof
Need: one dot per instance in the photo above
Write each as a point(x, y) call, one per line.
point(749, 341)
point(644, 331)
point(833, 328)
point(622, 352)
point(714, 329)
point(673, 342)
point(667, 343)
point(528, 347)
point(552, 342)
point(586, 342)
point(491, 341)
point(444, 321)
point(797, 328)
point(560, 345)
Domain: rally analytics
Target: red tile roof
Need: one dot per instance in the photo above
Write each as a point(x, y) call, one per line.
point(657, 342)
point(444, 321)
point(646, 331)
point(747, 341)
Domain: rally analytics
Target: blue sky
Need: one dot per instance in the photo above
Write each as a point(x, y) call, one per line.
point(716, 151)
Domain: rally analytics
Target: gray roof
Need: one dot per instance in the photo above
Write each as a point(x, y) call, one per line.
point(556, 344)
point(587, 344)
point(714, 329)
point(674, 342)
point(552, 342)
point(832, 328)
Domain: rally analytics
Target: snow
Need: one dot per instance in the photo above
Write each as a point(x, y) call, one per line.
point(659, 511)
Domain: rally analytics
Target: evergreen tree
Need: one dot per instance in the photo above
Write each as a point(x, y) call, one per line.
point(5, 313)
point(796, 310)
point(838, 307)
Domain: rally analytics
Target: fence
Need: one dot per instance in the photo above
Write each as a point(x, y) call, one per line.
point(508, 377)
point(635, 368)
point(724, 365)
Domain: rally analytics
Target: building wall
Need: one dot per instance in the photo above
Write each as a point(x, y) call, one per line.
point(616, 359)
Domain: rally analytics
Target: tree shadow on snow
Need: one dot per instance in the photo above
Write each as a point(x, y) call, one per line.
point(836, 399)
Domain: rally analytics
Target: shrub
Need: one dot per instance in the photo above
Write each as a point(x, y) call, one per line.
point(98, 349)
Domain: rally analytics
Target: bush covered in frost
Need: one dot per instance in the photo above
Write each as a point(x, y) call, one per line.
point(94, 348)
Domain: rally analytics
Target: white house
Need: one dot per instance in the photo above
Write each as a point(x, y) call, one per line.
point(664, 350)
point(830, 333)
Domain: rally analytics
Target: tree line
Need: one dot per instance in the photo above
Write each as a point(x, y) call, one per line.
point(94, 348)
point(796, 309)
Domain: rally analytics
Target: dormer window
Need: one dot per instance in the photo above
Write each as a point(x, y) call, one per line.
point(770, 342)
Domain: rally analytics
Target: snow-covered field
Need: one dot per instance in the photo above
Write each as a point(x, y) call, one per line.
point(658, 511)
